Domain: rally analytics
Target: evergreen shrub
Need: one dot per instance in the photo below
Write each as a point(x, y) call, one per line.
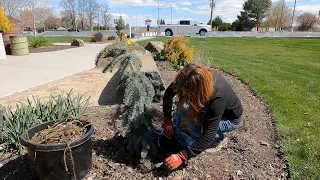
point(137, 93)
point(177, 51)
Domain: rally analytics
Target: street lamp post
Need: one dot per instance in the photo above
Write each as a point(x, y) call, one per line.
point(33, 18)
point(294, 8)
point(136, 21)
point(75, 21)
point(212, 5)
point(158, 18)
point(171, 12)
point(99, 18)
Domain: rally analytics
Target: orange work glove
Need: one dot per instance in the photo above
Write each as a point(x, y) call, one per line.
point(168, 127)
point(174, 161)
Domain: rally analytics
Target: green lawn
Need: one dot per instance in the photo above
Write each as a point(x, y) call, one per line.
point(285, 73)
point(63, 39)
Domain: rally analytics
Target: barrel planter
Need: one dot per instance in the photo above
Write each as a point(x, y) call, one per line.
point(19, 45)
point(48, 160)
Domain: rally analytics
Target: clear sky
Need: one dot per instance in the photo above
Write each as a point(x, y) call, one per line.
point(136, 11)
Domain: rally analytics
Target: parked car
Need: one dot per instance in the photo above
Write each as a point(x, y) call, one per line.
point(187, 27)
point(40, 30)
point(61, 29)
point(73, 29)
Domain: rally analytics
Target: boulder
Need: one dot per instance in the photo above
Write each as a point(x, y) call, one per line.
point(155, 46)
point(77, 42)
point(157, 82)
point(150, 70)
point(148, 64)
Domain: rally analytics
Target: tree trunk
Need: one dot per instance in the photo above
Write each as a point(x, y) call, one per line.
point(90, 24)
point(82, 24)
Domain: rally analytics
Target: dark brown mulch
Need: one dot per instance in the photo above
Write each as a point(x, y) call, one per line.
point(50, 48)
point(252, 152)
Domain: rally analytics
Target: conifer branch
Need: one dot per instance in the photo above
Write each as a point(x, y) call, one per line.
point(137, 93)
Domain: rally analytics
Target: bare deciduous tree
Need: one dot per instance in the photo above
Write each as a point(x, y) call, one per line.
point(106, 17)
point(306, 21)
point(91, 11)
point(279, 16)
point(41, 12)
point(52, 22)
point(26, 18)
point(35, 15)
point(12, 8)
point(81, 8)
point(69, 11)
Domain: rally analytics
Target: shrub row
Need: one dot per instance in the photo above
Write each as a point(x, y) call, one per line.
point(97, 28)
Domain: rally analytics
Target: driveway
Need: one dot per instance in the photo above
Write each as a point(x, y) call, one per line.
point(19, 73)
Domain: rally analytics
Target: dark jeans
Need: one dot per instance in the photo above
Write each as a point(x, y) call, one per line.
point(172, 146)
point(224, 126)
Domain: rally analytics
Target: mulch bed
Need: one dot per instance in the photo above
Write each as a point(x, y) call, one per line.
point(253, 151)
point(50, 48)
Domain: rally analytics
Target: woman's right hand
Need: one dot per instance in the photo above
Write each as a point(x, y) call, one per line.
point(168, 127)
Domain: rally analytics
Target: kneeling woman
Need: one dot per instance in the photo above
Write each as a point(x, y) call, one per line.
point(206, 108)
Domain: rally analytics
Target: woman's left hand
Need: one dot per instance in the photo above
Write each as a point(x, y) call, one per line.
point(168, 127)
point(174, 161)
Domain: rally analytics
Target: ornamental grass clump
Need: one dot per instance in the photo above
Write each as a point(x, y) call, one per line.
point(35, 112)
point(40, 41)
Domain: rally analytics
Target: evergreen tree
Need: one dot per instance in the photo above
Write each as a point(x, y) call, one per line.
point(225, 26)
point(217, 22)
point(119, 25)
point(236, 25)
point(256, 10)
point(137, 93)
point(245, 22)
point(252, 15)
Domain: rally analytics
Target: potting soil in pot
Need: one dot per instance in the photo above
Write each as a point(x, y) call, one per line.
point(61, 132)
point(60, 150)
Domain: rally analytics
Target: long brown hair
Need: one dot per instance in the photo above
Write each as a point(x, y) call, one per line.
point(194, 85)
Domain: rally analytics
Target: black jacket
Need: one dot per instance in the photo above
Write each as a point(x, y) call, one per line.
point(223, 103)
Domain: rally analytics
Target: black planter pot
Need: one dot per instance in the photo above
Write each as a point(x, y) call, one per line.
point(49, 161)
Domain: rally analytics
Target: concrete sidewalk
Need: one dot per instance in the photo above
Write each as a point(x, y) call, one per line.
point(19, 73)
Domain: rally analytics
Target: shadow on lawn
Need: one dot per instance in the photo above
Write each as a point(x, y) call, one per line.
point(18, 168)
